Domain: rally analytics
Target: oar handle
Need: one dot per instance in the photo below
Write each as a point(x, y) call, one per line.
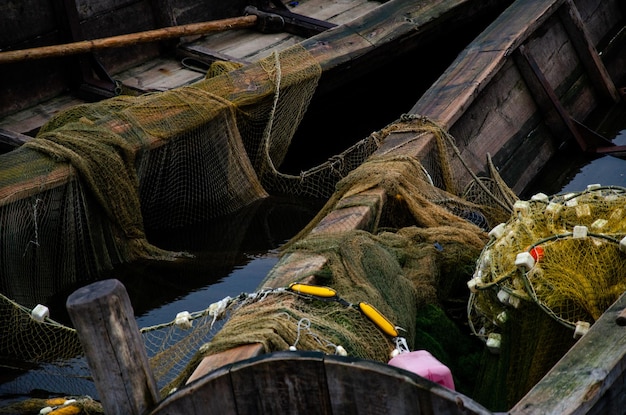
point(85, 46)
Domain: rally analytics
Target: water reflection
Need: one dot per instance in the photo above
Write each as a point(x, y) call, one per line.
point(572, 171)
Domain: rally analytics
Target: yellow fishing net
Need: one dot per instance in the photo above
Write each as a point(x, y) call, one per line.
point(545, 276)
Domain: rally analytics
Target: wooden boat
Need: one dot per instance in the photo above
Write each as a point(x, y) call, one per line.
point(494, 99)
point(362, 38)
point(368, 36)
point(159, 46)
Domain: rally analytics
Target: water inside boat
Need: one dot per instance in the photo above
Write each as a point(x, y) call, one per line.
point(574, 170)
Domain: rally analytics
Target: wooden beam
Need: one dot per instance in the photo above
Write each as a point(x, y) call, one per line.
point(546, 98)
point(12, 138)
point(590, 378)
point(115, 351)
point(589, 56)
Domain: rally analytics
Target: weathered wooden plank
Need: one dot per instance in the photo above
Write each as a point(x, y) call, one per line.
point(105, 322)
point(12, 138)
point(473, 70)
point(251, 45)
point(24, 20)
point(294, 267)
point(360, 211)
point(561, 125)
point(587, 52)
point(159, 74)
point(212, 394)
point(396, 391)
point(213, 362)
point(278, 386)
point(311, 382)
point(589, 379)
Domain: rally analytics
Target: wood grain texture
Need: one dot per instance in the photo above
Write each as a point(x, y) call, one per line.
point(589, 379)
point(114, 348)
point(311, 382)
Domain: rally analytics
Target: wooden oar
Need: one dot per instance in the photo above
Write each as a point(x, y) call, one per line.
point(128, 39)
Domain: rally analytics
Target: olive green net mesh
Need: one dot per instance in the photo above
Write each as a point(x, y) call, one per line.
point(416, 250)
point(413, 249)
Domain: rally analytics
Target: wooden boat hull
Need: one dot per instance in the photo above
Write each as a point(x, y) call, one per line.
point(346, 51)
point(489, 101)
point(309, 382)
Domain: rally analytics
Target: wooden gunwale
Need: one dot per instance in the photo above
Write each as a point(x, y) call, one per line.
point(589, 379)
point(446, 102)
point(316, 383)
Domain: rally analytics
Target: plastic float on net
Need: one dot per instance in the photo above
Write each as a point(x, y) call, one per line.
point(40, 313)
point(521, 207)
point(497, 231)
point(598, 224)
point(553, 208)
point(507, 298)
point(579, 232)
point(183, 320)
point(524, 261)
point(378, 319)
point(493, 342)
point(537, 252)
point(314, 290)
point(582, 327)
point(66, 407)
point(622, 244)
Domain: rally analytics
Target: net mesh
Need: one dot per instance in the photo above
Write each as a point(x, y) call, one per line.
point(421, 250)
point(423, 245)
point(550, 271)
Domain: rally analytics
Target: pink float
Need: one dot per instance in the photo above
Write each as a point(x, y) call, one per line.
point(425, 365)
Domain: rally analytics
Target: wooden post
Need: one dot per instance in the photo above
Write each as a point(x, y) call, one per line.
point(108, 332)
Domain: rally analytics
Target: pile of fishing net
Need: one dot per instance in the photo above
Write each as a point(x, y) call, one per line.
point(78, 198)
point(546, 275)
point(412, 259)
point(410, 264)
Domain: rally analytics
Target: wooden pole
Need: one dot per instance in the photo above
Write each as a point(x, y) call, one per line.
point(107, 330)
point(85, 46)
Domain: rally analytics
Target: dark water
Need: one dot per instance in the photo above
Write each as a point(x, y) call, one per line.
point(573, 171)
point(231, 255)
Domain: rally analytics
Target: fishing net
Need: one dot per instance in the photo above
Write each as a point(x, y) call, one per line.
point(545, 276)
point(77, 199)
point(417, 253)
point(421, 249)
